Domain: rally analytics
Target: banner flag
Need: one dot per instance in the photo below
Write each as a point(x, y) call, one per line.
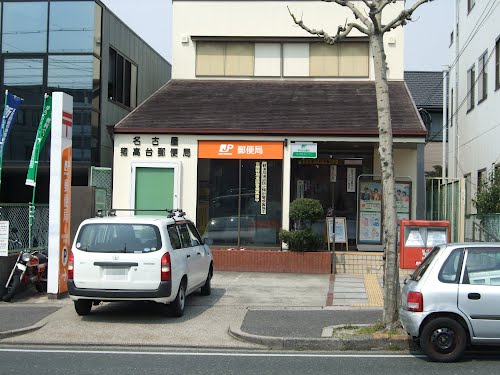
point(12, 104)
point(41, 135)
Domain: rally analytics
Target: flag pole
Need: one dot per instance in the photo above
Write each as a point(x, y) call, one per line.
point(1, 135)
point(40, 137)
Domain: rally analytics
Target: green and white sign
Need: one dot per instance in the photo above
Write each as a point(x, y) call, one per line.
point(304, 150)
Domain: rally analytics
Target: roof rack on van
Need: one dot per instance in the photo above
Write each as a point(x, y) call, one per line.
point(112, 212)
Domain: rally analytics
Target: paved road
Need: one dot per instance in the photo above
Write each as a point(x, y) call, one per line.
point(123, 361)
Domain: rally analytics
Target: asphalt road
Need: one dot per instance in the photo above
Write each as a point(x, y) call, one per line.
point(123, 361)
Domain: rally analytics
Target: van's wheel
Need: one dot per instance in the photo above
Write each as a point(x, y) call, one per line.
point(13, 286)
point(443, 340)
point(83, 306)
point(176, 308)
point(206, 289)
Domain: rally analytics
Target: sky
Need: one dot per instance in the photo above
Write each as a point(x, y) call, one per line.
point(426, 38)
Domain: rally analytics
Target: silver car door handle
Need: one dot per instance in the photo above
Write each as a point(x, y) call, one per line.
point(474, 296)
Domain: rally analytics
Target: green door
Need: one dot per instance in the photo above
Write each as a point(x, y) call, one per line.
point(154, 189)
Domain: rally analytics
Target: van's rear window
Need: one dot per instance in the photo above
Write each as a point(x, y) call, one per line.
point(118, 238)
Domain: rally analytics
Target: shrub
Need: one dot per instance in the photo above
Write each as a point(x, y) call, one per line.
point(303, 212)
point(301, 240)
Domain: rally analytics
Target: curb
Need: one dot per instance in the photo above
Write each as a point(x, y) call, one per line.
point(340, 344)
point(22, 331)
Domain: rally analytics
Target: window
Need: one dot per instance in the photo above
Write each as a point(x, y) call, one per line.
point(471, 78)
point(122, 81)
point(470, 5)
point(482, 79)
point(450, 272)
point(224, 59)
point(175, 240)
point(497, 64)
point(338, 60)
point(481, 179)
point(452, 115)
point(291, 59)
point(482, 267)
point(468, 194)
point(30, 35)
point(185, 236)
point(68, 33)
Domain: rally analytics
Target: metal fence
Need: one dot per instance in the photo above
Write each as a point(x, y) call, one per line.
point(442, 202)
point(484, 228)
point(18, 217)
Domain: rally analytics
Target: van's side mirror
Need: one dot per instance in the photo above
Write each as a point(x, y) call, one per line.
point(208, 241)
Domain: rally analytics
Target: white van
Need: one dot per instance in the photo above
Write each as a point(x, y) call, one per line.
point(138, 258)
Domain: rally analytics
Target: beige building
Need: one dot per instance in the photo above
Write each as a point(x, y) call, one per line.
point(258, 114)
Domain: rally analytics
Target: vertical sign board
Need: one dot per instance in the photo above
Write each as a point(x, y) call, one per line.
point(60, 192)
point(4, 238)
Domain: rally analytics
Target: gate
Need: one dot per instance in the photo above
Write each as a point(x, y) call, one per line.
point(445, 200)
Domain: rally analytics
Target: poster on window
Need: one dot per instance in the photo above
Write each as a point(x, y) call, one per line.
point(370, 197)
point(370, 227)
point(351, 180)
point(403, 198)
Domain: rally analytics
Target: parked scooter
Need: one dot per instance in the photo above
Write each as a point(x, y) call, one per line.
point(30, 267)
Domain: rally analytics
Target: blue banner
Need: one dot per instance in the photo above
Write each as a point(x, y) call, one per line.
point(12, 104)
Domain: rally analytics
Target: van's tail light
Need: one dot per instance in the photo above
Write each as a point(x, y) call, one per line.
point(166, 274)
point(71, 265)
point(415, 302)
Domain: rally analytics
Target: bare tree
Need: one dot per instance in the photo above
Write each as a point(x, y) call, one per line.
point(369, 22)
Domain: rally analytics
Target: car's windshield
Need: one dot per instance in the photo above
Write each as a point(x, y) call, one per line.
point(118, 238)
point(420, 271)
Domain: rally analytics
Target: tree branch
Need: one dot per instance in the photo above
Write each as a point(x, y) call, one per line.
point(342, 31)
point(357, 13)
point(403, 17)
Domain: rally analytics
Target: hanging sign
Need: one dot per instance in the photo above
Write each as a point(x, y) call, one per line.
point(304, 150)
point(263, 188)
point(333, 173)
point(351, 180)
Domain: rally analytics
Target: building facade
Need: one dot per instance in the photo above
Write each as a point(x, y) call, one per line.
point(258, 114)
point(474, 95)
point(83, 49)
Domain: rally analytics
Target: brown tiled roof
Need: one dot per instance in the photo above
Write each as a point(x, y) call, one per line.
point(270, 107)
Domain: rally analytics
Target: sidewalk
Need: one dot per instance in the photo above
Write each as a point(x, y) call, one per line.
point(285, 311)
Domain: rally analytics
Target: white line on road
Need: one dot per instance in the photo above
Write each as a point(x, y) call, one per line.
point(209, 354)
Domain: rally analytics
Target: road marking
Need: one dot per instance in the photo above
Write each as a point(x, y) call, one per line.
point(373, 292)
point(208, 354)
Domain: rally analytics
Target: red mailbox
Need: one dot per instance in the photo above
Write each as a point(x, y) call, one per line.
point(417, 238)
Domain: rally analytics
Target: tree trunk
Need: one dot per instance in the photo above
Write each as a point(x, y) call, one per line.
point(391, 268)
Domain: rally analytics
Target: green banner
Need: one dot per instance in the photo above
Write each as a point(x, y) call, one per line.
point(41, 135)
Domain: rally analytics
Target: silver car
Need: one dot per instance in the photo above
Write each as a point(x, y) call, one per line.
point(452, 300)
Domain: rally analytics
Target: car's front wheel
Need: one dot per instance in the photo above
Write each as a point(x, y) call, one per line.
point(443, 340)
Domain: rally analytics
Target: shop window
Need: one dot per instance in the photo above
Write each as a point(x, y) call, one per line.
point(239, 201)
point(122, 81)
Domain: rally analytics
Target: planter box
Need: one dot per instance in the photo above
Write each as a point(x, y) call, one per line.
point(271, 261)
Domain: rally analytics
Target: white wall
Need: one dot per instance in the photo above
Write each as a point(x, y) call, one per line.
point(473, 140)
point(266, 19)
